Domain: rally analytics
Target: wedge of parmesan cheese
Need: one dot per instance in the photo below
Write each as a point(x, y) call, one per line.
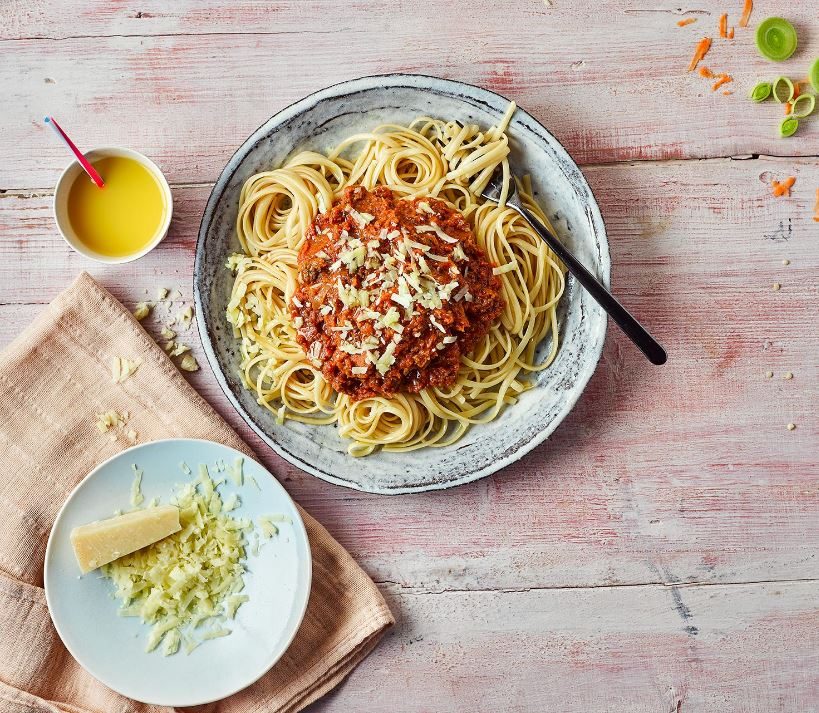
point(101, 542)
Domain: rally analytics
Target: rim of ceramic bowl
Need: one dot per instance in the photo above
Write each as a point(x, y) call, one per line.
point(64, 185)
point(420, 82)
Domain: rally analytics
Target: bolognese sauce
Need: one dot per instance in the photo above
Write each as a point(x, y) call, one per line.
point(391, 293)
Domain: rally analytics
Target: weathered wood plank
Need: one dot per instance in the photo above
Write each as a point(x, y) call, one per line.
point(681, 473)
point(605, 77)
point(690, 649)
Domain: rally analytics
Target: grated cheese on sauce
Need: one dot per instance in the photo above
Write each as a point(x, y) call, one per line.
point(347, 321)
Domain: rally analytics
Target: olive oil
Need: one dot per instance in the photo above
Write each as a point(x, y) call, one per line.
point(124, 216)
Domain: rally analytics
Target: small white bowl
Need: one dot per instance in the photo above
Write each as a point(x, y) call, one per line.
point(69, 175)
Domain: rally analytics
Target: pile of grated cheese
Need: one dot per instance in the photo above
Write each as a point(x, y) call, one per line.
point(187, 585)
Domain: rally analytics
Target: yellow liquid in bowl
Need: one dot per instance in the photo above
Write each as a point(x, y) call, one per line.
point(124, 216)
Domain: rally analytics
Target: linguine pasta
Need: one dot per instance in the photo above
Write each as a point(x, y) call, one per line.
point(429, 158)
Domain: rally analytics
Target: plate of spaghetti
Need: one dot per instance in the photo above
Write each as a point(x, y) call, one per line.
point(373, 318)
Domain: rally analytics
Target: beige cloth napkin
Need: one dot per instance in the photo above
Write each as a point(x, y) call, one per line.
point(53, 378)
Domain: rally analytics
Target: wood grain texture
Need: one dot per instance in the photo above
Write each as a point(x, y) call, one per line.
point(187, 85)
point(753, 649)
point(658, 553)
point(685, 473)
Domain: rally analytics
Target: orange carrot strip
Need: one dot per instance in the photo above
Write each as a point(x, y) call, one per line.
point(686, 21)
point(702, 49)
point(788, 107)
point(795, 89)
point(723, 79)
point(816, 207)
point(746, 13)
point(731, 34)
point(707, 73)
point(723, 25)
point(727, 94)
point(783, 188)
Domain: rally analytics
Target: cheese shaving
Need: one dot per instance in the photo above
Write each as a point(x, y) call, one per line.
point(189, 363)
point(142, 310)
point(109, 419)
point(190, 577)
point(122, 368)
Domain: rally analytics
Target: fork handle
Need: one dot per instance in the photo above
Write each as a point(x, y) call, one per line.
point(633, 329)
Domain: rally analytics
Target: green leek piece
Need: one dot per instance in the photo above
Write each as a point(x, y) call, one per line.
point(788, 84)
point(800, 113)
point(761, 91)
point(788, 127)
point(776, 38)
point(814, 74)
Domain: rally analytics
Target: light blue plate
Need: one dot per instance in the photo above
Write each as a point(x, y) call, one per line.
point(112, 648)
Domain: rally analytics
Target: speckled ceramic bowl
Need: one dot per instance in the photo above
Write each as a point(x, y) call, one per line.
point(320, 121)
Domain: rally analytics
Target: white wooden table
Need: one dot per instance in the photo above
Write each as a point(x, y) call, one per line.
point(659, 552)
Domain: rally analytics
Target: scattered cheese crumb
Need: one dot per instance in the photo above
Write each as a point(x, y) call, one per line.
point(787, 376)
point(142, 310)
point(267, 527)
point(136, 487)
point(233, 603)
point(167, 333)
point(178, 349)
point(769, 375)
point(162, 293)
point(108, 420)
point(189, 363)
point(791, 426)
point(237, 472)
point(122, 368)
point(132, 435)
point(776, 286)
point(184, 317)
point(216, 633)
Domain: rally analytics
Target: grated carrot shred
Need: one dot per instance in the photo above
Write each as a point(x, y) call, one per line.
point(816, 207)
point(707, 73)
point(746, 13)
point(723, 25)
point(727, 93)
point(723, 79)
point(796, 89)
point(686, 21)
point(702, 49)
point(788, 108)
point(783, 188)
point(731, 34)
